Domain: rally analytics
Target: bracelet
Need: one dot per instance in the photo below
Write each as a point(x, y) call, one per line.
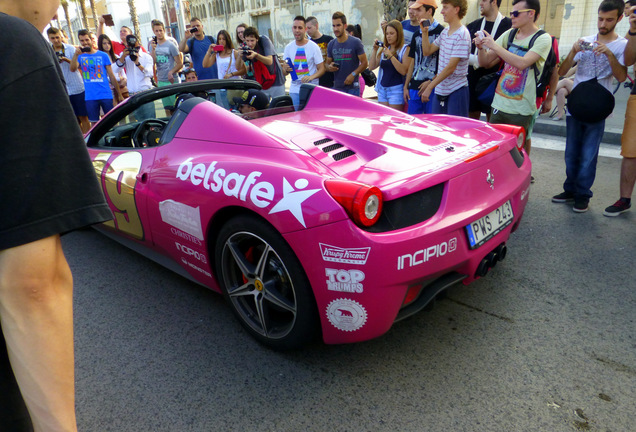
point(137, 64)
point(629, 32)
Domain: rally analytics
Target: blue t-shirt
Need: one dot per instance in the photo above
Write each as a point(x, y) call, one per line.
point(95, 75)
point(197, 49)
point(346, 55)
point(408, 30)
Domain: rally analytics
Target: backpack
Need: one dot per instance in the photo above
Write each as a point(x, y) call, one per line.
point(543, 80)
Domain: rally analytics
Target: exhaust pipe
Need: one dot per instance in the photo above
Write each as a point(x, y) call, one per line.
point(491, 260)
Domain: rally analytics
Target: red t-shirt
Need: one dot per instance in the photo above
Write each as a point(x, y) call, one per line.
point(119, 48)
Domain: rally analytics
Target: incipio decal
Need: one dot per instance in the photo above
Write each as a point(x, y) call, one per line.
point(182, 216)
point(427, 254)
point(344, 255)
point(344, 280)
point(346, 315)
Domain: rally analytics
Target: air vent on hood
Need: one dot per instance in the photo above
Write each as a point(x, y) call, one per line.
point(333, 146)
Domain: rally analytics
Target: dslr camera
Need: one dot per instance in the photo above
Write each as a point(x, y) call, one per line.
point(131, 44)
point(246, 51)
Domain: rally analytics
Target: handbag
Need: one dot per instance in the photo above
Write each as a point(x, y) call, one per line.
point(590, 102)
point(369, 77)
point(262, 75)
point(486, 86)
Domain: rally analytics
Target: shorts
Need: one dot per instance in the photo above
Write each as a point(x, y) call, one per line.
point(79, 104)
point(534, 120)
point(394, 95)
point(525, 121)
point(416, 106)
point(93, 106)
point(167, 101)
point(628, 139)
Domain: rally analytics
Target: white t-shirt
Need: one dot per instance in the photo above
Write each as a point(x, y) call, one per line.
point(139, 80)
point(455, 45)
point(591, 65)
point(305, 59)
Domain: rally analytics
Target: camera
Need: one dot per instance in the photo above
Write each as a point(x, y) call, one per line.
point(60, 55)
point(480, 34)
point(586, 46)
point(193, 30)
point(131, 45)
point(154, 38)
point(85, 49)
point(380, 44)
point(246, 51)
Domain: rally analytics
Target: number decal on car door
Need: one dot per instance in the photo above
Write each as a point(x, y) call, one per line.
point(118, 179)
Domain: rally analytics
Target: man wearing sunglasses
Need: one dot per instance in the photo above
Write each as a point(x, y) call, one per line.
point(515, 96)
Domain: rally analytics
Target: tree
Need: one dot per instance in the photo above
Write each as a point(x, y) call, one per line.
point(94, 12)
point(64, 4)
point(395, 9)
point(83, 11)
point(133, 17)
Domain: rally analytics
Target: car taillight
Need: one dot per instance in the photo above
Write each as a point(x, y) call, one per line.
point(514, 130)
point(363, 203)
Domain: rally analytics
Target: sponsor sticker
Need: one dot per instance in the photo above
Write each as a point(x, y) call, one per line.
point(344, 280)
point(182, 216)
point(189, 251)
point(346, 315)
point(344, 255)
point(199, 269)
point(525, 193)
point(424, 255)
point(247, 188)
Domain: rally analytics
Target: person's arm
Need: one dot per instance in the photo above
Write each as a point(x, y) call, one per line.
point(427, 47)
point(210, 57)
point(401, 66)
point(568, 61)
point(407, 78)
point(486, 58)
point(36, 300)
point(362, 58)
point(618, 70)
point(153, 50)
point(441, 76)
point(114, 83)
point(630, 48)
point(514, 60)
point(183, 45)
point(320, 71)
point(374, 61)
point(178, 64)
point(554, 81)
point(74, 63)
point(100, 26)
point(145, 64)
point(241, 69)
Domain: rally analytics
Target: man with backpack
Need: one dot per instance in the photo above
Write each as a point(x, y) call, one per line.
point(599, 58)
point(197, 43)
point(524, 49)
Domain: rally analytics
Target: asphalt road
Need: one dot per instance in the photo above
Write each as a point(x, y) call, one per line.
point(546, 342)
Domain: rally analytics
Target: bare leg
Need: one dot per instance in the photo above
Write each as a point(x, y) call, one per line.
point(85, 125)
point(563, 90)
point(36, 309)
point(628, 177)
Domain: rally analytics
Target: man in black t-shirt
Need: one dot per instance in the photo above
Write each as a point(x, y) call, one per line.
point(494, 23)
point(322, 40)
point(47, 187)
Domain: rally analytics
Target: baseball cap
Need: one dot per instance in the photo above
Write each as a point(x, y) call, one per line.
point(254, 98)
point(420, 3)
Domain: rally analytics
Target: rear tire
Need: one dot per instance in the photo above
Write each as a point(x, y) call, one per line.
point(265, 284)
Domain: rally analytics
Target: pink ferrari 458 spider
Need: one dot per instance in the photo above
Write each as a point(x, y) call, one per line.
point(332, 221)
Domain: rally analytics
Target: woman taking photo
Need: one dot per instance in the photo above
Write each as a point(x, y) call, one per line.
point(228, 61)
point(389, 56)
point(104, 44)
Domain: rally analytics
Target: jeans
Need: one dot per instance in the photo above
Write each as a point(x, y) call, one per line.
point(295, 99)
point(581, 153)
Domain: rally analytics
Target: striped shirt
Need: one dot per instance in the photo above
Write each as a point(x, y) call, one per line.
point(74, 81)
point(455, 45)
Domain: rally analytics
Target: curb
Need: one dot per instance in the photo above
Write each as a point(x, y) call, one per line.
point(548, 127)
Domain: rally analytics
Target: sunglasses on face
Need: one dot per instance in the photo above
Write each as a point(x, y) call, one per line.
point(515, 14)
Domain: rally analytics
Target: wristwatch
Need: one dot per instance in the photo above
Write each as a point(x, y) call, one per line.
point(353, 74)
point(631, 33)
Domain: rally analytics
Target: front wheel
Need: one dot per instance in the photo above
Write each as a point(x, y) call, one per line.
point(265, 284)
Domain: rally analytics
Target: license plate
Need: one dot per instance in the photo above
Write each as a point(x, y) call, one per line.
point(483, 229)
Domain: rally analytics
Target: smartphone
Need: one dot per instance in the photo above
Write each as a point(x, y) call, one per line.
point(425, 23)
point(108, 20)
point(218, 48)
point(336, 65)
point(193, 30)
